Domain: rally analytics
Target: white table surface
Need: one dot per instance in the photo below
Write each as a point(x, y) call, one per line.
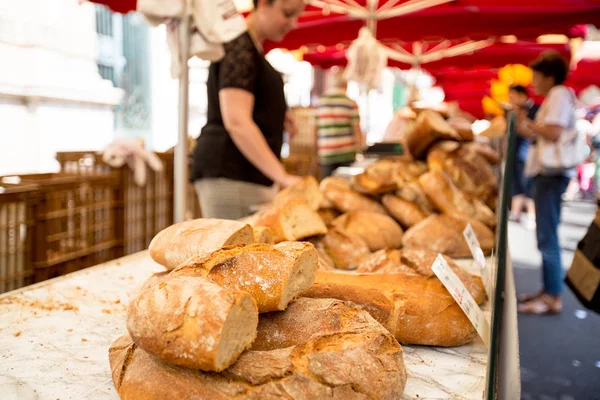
point(56, 335)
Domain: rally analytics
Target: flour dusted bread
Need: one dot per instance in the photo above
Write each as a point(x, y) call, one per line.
point(306, 190)
point(175, 244)
point(290, 221)
point(347, 200)
point(405, 212)
point(444, 234)
point(193, 322)
point(377, 230)
point(415, 309)
point(419, 262)
point(339, 353)
point(387, 175)
point(273, 275)
point(346, 250)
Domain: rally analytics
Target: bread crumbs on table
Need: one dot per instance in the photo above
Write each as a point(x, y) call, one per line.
point(18, 334)
point(78, 287)
point(106, 311)
point(118, 302)
point(84, 339)
point(85, 357)
point(70, 330)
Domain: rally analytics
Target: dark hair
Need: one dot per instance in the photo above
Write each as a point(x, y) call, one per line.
point(519, 89)
point(256, 2)
point(552, 64)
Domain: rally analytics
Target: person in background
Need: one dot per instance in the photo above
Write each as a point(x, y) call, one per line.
point(555, 118)
point(236, 160)
point(338, 134)
point(527, 109)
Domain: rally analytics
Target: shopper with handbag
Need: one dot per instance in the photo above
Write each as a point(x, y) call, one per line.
point(556, 150)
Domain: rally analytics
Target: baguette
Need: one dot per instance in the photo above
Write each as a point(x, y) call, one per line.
point(341, 353)
point(346, 250)
point(273, 275)
point(193, 322)
point(419, 262)
point(290, 221)
point(444, 234)
point(415, 309)
point(175, 244)
point(307, 190)
point(377, 230)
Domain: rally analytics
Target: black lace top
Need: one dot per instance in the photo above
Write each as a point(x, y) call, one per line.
point(243, 67)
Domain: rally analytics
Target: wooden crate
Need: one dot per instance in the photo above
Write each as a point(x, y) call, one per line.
point(16, 238)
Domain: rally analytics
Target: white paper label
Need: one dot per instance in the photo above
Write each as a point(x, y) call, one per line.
point(478, 256)
point(462, 296)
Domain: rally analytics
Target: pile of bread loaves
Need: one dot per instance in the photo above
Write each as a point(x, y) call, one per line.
point(310, 298)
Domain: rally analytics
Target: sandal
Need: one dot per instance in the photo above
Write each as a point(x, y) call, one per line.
point(542, 305)
point(524, 298)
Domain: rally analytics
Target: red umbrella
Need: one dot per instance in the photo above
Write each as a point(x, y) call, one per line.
point(120, 6)
point(477, 19)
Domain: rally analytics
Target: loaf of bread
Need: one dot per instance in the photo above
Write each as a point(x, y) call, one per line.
point(414, 193)
point(333, 182)
point(347, 200)
point(306, 190)
point(316, 349)
point(429, 127)
point(444, 234)
point(415, 309)
point(193, 322)
point(379, 231)
point(450, 200)
point(290, 221)
point(346, 250)
point(379, 177)
point(462, 127)
point(328, 215)
point(420, 262)
point(263, 235)
point(405, 212)
point(273, 275)
point(175, 244)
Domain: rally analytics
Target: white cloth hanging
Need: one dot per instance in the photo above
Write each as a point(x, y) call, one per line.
point(366, 60)
point(214, 22)
point(133, 153)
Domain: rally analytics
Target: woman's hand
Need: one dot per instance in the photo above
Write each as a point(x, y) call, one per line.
point(289, 124)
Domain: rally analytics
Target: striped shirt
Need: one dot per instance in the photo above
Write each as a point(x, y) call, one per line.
point(335, 116)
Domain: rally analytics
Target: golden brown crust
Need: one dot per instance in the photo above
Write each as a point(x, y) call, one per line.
point(346, 250)
point(429, 127)
point(346, 200)
point(266, 272)
point(306, 190)
point(175, 244)
point(416, 309)
point(405, 212)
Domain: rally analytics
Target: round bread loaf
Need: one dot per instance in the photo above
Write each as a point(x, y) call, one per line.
point(315, 349)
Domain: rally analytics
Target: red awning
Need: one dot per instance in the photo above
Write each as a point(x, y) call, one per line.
point(477, 19)
point(120, 6)
point(497, 55)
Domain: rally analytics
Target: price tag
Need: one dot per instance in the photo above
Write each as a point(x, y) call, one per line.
point(462, 296)
point(478, 256)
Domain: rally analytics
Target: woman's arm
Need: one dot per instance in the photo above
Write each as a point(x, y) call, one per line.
point(549, 132)
point(236, 110)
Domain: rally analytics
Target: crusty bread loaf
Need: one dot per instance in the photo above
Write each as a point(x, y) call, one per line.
point(444, 234)
point(316, 349)
point(405, 212)
point(273, 275)
point(413, 192)
point(333, 182)
point(419, 261)
point(415, 309)
point(328, 215)
point(429, 127)
point(379, 231)
point(347, 200)
point(449, 199)
point(306, 190)
point(193, 322)
point(175, 244)
point(290, 221)
point(387, 175)
point(346, 250)
point(263, 234)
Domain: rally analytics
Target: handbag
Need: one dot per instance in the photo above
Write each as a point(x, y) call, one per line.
point(555, 158)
